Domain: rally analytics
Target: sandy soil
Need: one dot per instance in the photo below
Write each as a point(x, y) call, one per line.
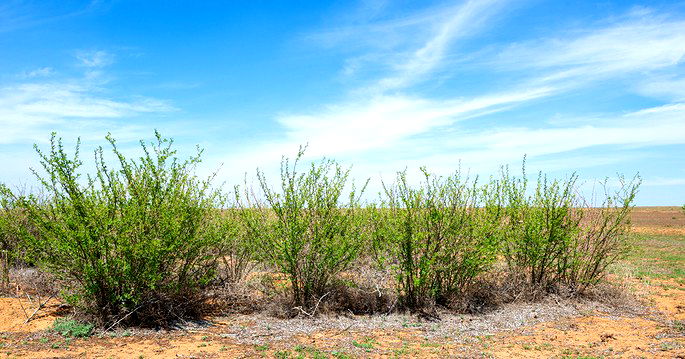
point(659, 220)
point(554, 328)
point(15, 311)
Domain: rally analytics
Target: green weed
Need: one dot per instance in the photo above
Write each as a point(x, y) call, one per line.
point(71, 328)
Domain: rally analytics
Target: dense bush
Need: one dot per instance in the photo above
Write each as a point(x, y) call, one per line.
point(7, 242)
point(132, 241)
point(554, 238)
point(305, 229)
point(438, 236)
point(140, 240)
point(239, 250)
point(540, 228)
point(9, 219)
point(601, 238)
point(12, 220)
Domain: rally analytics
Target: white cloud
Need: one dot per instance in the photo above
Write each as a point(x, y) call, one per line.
point(634, 44)
point(670, 87)
point(488, 148)
point(18, 15)
point(407, 46)
point(40, 72)
point(95, 59)
point(31, 110)
point(384, 120)
point(459, 22)
point(551, 66)
point(376, 119)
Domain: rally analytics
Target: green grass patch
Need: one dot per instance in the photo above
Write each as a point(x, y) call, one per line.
point(263, 347)
point(71, 328)
point(367, 343)
point(656, 256)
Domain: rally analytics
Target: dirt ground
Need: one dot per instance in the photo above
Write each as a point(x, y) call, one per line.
point(651, 326)
point(659, 220)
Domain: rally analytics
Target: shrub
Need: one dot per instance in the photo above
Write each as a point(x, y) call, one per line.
point(437, 237)
point(7, 243)
point(554, 239)
point(540, 228)
point(304, 229)
point(131, 241)
point(11, 249)
point(602, 237)
point(9, 219)
point(238, 255)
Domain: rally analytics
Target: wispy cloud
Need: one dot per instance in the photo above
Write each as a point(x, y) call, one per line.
point(638, 42)
point(20, 15)
point(384, 120)
point(661, 125)
point(95, 58)
point(377, 116)
point(670, 87)
point(387, 124)
point(31, 109)
point(39, 72)
point(460, 22)
point(408, 46)
point(551, 149)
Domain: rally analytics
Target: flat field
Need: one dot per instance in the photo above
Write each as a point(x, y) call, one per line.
point(639, 313)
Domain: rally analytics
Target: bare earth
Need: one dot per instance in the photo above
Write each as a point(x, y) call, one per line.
point(651, 327)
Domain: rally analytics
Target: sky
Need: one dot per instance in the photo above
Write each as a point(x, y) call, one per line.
point(593, 87)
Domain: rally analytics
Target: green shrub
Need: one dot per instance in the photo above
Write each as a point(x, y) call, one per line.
point(10, 220)
point(7, 243)
point(71, 328)
point(602, 237)
point(554, 238)
point(239, 251)
point(541, 228)
point(304, 229)
point(439, 236)
point(132, 240)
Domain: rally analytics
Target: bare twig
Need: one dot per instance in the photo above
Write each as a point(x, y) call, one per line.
point(39, 308)
point(124, 317)
point(22, 307)
point(315, 307)
point(391, 307)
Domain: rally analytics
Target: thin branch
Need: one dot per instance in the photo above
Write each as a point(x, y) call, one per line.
point(124, 317)
point(39, 308)
point(315, 307)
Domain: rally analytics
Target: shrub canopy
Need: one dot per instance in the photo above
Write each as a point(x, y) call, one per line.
point(132, 239)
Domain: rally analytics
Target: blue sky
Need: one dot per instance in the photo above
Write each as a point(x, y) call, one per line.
point(594, 87)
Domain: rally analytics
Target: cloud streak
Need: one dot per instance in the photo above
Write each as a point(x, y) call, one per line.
point(387, 124)
point(31, 109)
point(462, 21)
point(636, 43)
